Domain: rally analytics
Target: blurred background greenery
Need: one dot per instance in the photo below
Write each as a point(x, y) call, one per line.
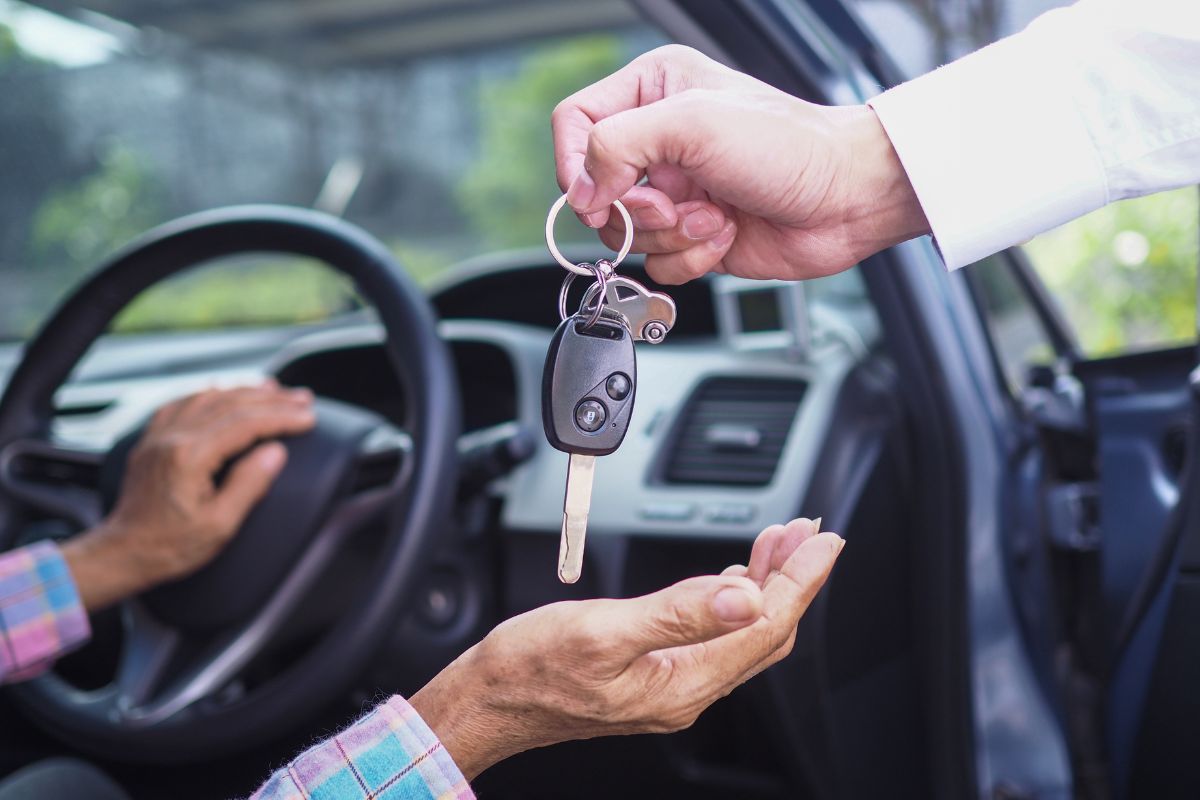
point(503, 195)
point(104, 138)
point(468, 175)
point(1125, 275)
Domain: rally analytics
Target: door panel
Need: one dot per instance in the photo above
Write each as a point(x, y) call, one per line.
point(1141, 411)
point(1138, 489)
point(1112, 438)
point(1155, 697)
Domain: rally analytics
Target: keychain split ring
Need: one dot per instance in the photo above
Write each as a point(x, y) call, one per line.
point(601, 270)
point(579, 269)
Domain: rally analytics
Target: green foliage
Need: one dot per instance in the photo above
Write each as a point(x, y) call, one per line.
point(506, 194)
point(422, 263)
point(9, 49)
point(1126, 274)
point(243, 291)
point(11, 52)
point(78, 225)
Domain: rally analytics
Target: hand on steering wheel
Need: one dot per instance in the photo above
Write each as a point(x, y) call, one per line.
point(178, 691)
point(173, 515)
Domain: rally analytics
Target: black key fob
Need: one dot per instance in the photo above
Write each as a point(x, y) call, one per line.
point(588, 386)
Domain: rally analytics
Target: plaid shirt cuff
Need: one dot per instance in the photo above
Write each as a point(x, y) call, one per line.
point(390, 754)
point(41, 617)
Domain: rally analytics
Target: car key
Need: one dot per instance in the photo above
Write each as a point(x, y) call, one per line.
point(588, 387)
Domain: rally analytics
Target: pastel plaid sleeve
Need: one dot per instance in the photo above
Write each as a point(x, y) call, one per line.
point(41, 617)
point(390, 754)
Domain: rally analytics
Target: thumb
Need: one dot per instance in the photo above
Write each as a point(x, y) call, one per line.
point(248, 481)
point(692, 611)
point(622, 146)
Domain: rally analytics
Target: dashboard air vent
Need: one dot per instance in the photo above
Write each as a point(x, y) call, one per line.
point(733, 430)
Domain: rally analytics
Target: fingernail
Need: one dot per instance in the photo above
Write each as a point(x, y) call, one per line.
point(649, 217)
point(733, 605)
point(724, 237)
point(700, 224)
point(581, 191)
point(840, 543)
point(594, 220)
point(817, 525)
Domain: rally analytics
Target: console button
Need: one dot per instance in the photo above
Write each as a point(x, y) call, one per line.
point(667, 512)
point(730, 513)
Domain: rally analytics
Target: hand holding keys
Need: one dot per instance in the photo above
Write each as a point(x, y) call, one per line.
point(590, 377)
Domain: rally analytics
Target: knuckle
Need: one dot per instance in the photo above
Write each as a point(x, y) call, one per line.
point(201, 397)
point(675, 619)
point(694, 268)
point(781, 639)
point(674, 54)
point(560, 112)
point(604, 139)
point(611, 238)
point(177, 450)
point(764, 639)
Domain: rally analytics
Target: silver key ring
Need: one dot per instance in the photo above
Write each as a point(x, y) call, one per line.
point(576, 268)
point(602, 269)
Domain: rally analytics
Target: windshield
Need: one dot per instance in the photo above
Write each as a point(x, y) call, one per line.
point(426, 123)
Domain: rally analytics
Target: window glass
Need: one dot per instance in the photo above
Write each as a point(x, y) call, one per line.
point(1018, 337)
point(1125, 275)
point(426, 123)
point(239, 291)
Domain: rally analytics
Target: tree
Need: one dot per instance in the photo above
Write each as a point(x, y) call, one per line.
point(1126, 274)
point(78, 225)
point(507, 192)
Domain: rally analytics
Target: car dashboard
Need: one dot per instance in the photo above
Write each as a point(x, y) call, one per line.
point(742, 419)
point(725, 434)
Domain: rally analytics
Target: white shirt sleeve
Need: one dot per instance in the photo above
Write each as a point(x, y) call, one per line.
point(1092, 103)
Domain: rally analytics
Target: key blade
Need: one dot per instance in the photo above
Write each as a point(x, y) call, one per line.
point(581, 471)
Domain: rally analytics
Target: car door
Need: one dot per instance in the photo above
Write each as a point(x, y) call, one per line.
point(1102, 554)
point(986, 727)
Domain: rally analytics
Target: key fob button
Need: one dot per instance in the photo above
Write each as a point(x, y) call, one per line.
point(617, 386)
point(590, 415)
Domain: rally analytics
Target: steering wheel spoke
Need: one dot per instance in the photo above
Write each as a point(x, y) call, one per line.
point(382, 472)
point(59, 481)
point(148, 648)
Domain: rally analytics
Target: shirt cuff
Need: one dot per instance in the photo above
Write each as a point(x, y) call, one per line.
point(390, 753)
point(41, 616)
point(994, 148)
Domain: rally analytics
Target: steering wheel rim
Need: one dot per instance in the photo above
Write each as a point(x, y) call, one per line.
point(431, 404)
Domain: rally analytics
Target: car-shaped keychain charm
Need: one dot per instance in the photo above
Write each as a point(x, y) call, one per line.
point(649, 315)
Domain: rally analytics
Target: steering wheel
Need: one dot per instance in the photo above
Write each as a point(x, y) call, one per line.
point(175, 696)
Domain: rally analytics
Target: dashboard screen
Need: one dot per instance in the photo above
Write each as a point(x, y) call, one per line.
point(759, 311)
